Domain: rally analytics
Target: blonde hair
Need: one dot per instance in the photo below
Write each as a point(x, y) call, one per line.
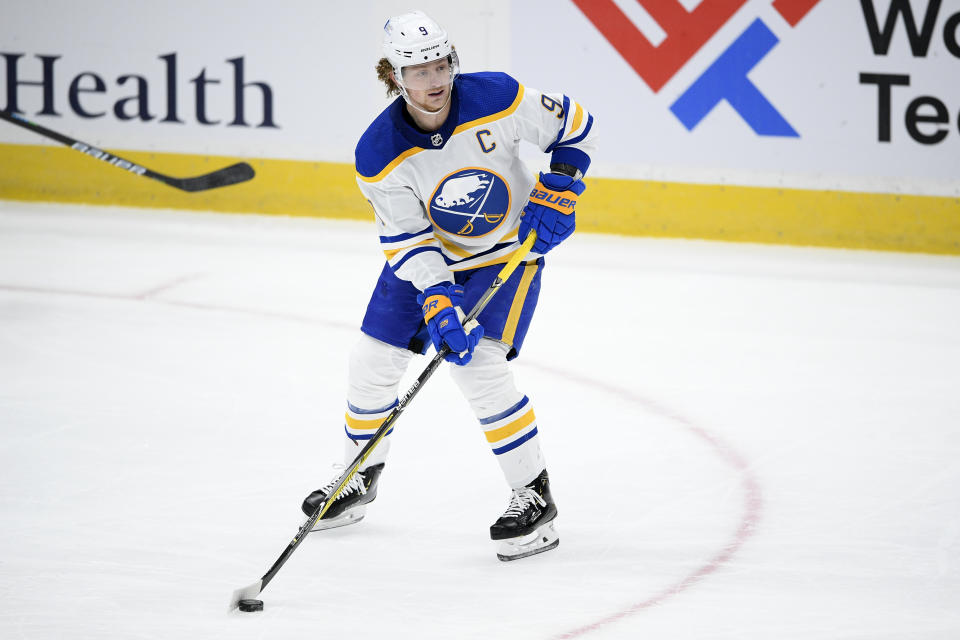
point(384, 69)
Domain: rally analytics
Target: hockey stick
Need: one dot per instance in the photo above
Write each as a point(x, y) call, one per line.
point(240, 172)
point(252, 591)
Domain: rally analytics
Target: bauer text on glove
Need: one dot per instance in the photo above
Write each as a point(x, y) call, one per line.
point(550, 211)
point(444, 318)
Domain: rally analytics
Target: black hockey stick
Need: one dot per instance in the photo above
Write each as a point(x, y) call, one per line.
point(240, 172)
point(252, 591)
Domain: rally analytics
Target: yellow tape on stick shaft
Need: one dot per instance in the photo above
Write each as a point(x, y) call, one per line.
point(503, 276)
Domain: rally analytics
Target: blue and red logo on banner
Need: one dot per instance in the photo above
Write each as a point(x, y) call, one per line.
point(686, 33)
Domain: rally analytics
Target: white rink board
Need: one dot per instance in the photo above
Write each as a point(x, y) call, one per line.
point(318, 58)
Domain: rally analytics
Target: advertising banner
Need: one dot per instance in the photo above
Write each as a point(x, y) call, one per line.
point(858, 94)
point(805, 121)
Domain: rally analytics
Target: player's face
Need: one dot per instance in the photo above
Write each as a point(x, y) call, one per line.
point(428, 85)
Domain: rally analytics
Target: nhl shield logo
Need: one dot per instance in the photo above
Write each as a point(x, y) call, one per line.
point(470, 202)
point(436, 139)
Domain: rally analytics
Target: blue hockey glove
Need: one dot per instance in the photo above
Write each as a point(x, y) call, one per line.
point(442, 313)
point(550, 211)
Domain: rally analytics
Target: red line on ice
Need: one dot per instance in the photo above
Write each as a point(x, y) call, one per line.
point(753, 505)
point(150, 296)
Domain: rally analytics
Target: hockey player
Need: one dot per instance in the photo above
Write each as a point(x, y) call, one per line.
point(452, 202)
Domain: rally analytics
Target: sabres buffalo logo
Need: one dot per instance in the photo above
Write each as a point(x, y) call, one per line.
point(470, 202)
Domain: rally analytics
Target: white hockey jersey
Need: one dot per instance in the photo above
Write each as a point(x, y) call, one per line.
point(451, 200)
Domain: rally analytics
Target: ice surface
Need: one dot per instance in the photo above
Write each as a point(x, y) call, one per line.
point(745, 442)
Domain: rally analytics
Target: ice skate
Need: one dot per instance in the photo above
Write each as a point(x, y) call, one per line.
point(350, 505)
point(527, 526)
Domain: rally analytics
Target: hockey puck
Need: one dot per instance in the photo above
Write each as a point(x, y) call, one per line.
point(251, 605)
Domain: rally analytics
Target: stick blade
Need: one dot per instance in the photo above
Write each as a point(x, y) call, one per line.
point(234, 174)
point(250, 592)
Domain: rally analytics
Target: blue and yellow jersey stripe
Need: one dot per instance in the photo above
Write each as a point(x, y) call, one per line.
point(400, 248)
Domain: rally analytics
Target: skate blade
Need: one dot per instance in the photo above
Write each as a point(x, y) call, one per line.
point(352, 516)
point(543, 539)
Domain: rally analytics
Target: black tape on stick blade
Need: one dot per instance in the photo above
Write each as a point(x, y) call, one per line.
point(251, 605)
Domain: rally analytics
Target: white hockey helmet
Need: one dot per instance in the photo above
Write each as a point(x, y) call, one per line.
point(412, 39)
